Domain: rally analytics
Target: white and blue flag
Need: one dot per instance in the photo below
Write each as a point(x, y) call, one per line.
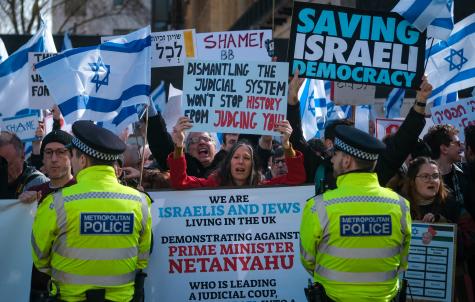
point(434, 15)
point(313, 107)
point(445, 99)
point(451, 65)
point(3, 51)
point(158, 96)
point(15, 73)
point(101, 80)
point(67, 44)
point(393, 104)
point(124, 118)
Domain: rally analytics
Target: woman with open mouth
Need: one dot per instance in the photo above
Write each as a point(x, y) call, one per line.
point(430, 199)
point(239, 168)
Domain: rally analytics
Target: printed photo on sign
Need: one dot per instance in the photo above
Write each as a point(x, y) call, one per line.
point(351, 45)
point(248, 45)
point(235, 97)
point(40, 97)
point(24, 126)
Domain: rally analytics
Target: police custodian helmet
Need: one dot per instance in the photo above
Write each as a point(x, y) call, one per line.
point(357, 143)
point(96, 142)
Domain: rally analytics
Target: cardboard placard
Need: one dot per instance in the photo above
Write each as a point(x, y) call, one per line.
point(460, 114)
point(352, 45)
point(237, 97)
point(345, 93)
point(40, 97)
point(248, 45)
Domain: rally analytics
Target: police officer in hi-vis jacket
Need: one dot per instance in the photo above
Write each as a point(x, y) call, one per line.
point(93, 238)
point(355, 238)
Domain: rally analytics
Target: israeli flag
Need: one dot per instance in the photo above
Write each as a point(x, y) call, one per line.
point(124, 118)
point(313, 107)
point(3, 51)
point(442, 26)
point(445, 99)
point(334, 111)
point(67, 44)
point(393, 104)
point(158, 97)
point(451, 64)
point(101, 80)
point(15, 72)
point(434, 15)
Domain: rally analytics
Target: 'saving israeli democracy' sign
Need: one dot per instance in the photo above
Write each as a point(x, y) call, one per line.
point(342, 44)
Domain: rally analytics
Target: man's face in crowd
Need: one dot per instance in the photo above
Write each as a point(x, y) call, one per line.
point(202, 147)
point(278, 166)
point(77, 163)
point(57, 161)
point(454, 149)
point(15, 161)
point(229, 140)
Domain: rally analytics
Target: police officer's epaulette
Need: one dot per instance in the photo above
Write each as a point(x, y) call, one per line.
point(148, 195)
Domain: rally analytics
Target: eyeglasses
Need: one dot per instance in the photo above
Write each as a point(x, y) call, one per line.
point(59, 152)
point(457, 143)
point(429, 177)
point(197, 139)
point(279, 161)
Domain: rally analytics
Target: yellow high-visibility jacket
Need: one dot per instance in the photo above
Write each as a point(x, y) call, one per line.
point(355, 239)
point(95, 234)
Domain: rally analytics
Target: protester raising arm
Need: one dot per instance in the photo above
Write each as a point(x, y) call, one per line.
point(311, 160)
point(239, 167)
point(402, 143)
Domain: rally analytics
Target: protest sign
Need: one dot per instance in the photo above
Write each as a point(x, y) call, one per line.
point(227, 245)
point(39, 93)
point(15, 251)
point(235, 97)
point(460, 114)
point(24, 126)
point(352, 45)
point(431, 261)
point(387, 126)
point(248, 45)
point(169, 48)
point(345, 93)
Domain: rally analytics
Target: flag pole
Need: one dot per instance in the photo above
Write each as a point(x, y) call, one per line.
point(144, 144)
point(428, 55)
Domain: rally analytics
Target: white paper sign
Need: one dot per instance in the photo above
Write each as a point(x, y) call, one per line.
point(459, 114)
point(345, 93)
point(227, 245)
point(24, 126)
point(235, 97)
point(248, 45)
point(169, 48)
point(40, 97)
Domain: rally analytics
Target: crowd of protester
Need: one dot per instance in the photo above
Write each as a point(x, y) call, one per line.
point(435, 174)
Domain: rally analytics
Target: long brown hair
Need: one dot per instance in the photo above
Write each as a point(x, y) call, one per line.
point(223, 172)
point(409, 189)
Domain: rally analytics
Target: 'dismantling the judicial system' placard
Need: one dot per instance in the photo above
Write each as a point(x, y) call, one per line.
point(350, 45)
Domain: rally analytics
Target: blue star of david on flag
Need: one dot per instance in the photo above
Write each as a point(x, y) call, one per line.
point(100, 68)
point(456, 59)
